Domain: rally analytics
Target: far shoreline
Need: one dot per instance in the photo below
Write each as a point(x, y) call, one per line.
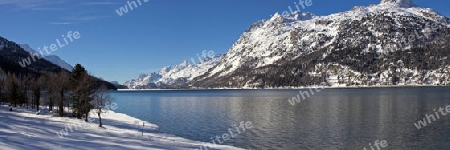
point(295, 88)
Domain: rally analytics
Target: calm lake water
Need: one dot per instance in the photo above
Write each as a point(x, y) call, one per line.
point(329, 119)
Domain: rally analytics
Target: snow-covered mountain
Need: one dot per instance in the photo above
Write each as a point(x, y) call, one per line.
point(114, 82)
point(51, 58)
point(173, 76)
point(394, 42)
point(399, 3)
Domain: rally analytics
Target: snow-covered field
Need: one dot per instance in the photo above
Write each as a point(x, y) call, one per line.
point(23, 129)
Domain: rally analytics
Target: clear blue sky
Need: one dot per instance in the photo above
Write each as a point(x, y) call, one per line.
point(155, 34)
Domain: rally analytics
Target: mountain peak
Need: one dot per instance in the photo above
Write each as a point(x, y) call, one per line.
point(52, 58)
point(400, 3)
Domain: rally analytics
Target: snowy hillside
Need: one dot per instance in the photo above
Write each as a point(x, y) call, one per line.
point(302, 49)
point(52, 58)
point(173, 76)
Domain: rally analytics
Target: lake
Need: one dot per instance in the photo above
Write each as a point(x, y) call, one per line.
point(328, 119)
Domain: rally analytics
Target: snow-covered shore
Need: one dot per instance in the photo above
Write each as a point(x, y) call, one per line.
point(297, 88)
point(23, 129)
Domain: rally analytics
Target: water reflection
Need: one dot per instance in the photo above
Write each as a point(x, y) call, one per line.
point(330, 119)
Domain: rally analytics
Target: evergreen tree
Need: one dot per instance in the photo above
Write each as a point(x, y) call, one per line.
point(76, 76)
point(86, 89)
point(83, 86)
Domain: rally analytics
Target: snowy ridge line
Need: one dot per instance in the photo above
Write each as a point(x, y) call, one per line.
point(51, 58)
point(302, 3)
point(34, 56)
point(280, 39)
point(176, 77)
point(296, 34)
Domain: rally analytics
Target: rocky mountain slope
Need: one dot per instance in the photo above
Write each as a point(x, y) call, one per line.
point(391, 43)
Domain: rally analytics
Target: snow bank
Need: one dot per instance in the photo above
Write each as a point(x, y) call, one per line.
point(23, 129)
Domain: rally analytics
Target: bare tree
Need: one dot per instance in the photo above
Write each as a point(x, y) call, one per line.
point(52, 88)
point(26, 85)
point(2, 85)
point(62, 85)
point(102, 98)
point(37, 89)
point(12, 89)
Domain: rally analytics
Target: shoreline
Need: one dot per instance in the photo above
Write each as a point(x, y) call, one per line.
point(119, 131)
point(295, 88)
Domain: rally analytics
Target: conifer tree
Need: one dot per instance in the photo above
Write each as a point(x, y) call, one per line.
point(83, 86)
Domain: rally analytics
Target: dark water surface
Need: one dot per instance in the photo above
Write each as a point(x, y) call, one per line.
point(329, 119)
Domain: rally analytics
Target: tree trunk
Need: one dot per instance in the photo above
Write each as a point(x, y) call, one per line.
point(78, 110)
point(68, 109)
point(15, 103)
point(99, 119)
point(87, 116)
point(61, 104)
point(37, 96)
point(50, 105)
point(37, 105)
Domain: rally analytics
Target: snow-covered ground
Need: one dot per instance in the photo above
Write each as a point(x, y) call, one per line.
point(23, 129)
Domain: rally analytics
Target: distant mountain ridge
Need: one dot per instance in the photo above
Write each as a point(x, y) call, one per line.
point(52, 58)
point(173, 76)
point(12, 53)
point(391, 43)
